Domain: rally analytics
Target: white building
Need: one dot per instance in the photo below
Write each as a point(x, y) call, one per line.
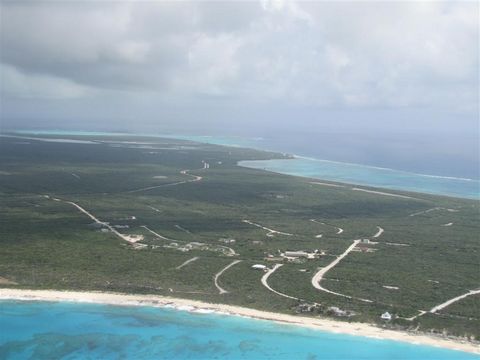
point(386, 316)
point(259, 267)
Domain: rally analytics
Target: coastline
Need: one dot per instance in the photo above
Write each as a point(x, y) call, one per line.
point(350, 182)
point(439, 189)
point(195, 306)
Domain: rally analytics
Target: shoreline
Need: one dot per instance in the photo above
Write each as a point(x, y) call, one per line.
point(195, 306)
point(345, 183)
point(195, 138)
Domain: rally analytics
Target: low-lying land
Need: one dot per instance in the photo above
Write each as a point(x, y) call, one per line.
point(175, 218)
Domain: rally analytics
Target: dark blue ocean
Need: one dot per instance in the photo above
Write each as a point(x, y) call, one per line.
point(62, 330)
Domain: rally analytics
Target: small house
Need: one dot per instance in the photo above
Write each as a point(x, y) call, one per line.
point(259, 267)
point(386, 316)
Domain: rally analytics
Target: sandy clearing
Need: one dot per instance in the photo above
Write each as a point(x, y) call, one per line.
point(187, 262)
point(5, 281)
point(318, 236)
point(316, 323)
point(271, 232)
point(339, 230)
point(449, 224)
point(383, 193)
point(217, 276)
point(264, 281)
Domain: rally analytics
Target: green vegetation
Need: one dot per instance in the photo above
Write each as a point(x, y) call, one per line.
point(416, 264)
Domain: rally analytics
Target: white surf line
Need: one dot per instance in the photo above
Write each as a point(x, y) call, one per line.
point(449, 224)
point(383, 193)
point(270, 231)
point(379, 232)
point(217, 275)
point(451, 301)
point(187, 262)
point(317, 278)
point(75, 176)
point(111, 228)
point(264, 281)
point(325, 184)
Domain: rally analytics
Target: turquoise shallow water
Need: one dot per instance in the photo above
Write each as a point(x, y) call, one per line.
point(324, 169)
point(43, 330)
point(371, 176)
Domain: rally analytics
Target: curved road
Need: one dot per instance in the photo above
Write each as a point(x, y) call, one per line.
point(127, 238)
point(183, 172)
point(451, 301)
point(379, 232)
point(264, 281)
point(217, 275)
point(317, 278)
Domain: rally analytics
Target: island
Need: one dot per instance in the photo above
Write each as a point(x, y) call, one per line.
point(133, 219)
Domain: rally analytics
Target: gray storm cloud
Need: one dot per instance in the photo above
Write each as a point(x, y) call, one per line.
point(357, 81)
point(341, 54)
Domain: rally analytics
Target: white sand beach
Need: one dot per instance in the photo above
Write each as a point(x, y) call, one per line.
point(358, 329)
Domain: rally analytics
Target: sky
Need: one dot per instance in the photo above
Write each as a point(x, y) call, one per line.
point(377, 68)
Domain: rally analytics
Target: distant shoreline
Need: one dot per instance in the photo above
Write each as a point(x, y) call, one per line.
point(264, 165)
point(444, 189)
point(194, 306)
